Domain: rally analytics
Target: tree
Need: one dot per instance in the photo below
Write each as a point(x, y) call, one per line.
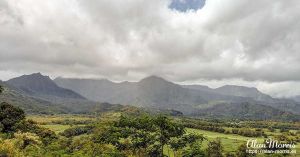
point(143, 135)
point(167, 130)
point(10, 116)
point(194, 151)
point(177, 144)
point(137, 135)
point(214, 149)
point(194, 142)
point(1, 89)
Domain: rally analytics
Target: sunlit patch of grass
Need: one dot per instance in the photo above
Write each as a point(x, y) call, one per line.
point(57, 128)
point(46, 119)
point(230, 142)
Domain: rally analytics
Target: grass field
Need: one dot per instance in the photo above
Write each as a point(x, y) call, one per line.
point(230, 142)
point(51, 118)
point(57, 128)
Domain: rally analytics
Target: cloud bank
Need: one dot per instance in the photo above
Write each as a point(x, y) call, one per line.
point(256, 42)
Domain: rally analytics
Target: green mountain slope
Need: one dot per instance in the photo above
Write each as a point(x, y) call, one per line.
point(35, 105)
point(27, 103)
point(246, 111)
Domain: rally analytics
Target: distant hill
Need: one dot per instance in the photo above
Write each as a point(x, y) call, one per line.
point(246, 111)
point(242, 91)
point(250, 94)
point(97, 90)
point(232, 90)
point(29, 104)
point(296, 98)
point(42, 87)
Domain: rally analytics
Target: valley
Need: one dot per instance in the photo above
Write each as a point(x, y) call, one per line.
point(152, 117)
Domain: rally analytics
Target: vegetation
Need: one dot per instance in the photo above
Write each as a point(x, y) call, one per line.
point(9, 117)
point(1, 89)
point(214, 149)
point(76, 131)
point(130, 132)
point(146, 135)
point(120, 134)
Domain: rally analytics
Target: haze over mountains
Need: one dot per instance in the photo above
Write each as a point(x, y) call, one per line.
point(86, 95)
point(238, 91)
point(36, 93)
point(155, 92)
point(296, 98)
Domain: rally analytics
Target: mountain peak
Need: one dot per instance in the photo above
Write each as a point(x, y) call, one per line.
point(38, 84)
point(31, 79)
point(155, 81)
point(37, 74)
point(153, 78)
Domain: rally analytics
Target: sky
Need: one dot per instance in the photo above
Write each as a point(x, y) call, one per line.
point(212, 42)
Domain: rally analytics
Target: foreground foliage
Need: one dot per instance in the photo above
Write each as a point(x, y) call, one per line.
point(146, 136)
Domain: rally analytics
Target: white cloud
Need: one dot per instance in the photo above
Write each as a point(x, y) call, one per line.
point(254, 41)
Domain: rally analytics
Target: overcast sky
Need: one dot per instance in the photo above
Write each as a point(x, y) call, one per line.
point(217, 42)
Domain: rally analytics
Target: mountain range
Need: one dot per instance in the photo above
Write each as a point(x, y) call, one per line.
point(65, 95)
point(156, 92)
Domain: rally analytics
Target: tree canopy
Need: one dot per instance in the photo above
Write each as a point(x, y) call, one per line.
point(146, 135)
point(1, 89)
point(10, 116)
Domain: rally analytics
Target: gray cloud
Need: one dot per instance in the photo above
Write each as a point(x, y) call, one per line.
point(129, 39)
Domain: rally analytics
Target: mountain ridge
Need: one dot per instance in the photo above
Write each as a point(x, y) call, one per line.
point(39, 85)
point(156, 92)
point(33, 104)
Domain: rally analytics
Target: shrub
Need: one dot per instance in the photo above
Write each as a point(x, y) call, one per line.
point(10, 116)
point(8, 149)
point(46, 135)
point(76, 131)
point(214, 149)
